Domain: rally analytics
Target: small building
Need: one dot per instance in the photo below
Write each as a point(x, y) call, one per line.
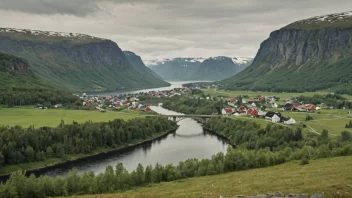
point(290, 121)
point(242, 109)
point(275, 119)
point(311, 108)
point(274, 105)
point(226, 111)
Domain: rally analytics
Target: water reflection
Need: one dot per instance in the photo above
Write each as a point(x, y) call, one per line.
point(189, 141)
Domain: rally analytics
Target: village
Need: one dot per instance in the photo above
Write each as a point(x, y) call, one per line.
point(129, 101)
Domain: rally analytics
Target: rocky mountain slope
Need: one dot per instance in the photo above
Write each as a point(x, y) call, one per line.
point(307, 55)
point(75, 62)
point(19, 86)
point(210, 69)
point(138, 64)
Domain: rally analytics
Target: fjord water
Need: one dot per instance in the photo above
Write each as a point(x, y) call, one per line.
point(188, 141)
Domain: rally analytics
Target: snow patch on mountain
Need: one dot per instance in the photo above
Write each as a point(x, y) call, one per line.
point(46, 33)
point(331, 18)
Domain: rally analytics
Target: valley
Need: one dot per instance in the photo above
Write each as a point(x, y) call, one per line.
point(116, 114)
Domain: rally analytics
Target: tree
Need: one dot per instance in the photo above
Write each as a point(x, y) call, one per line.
point(140, 174)
point(325, 134)
point(148, 174)
point(29, 154)
point(49, 152)
point(345, 136)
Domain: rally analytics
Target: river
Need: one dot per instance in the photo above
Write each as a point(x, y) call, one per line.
point(188, 141)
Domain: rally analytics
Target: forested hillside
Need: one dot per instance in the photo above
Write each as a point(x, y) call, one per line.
point(308, 55)
point(19, 86)
point(75, 62)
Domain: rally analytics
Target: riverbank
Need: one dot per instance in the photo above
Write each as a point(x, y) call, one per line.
point(220, 135)
point(41, 167)
point(323, 176)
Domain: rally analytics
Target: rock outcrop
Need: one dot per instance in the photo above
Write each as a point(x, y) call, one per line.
point(307, 55)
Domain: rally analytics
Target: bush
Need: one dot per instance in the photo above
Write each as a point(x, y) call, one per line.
point(304, 161)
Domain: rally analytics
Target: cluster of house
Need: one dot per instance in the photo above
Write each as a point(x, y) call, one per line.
point(114, 101)
point(129, 101)
point(255, 113)
point(170, 93)
point(271, 100)
point(250, 109)
point(289, 106)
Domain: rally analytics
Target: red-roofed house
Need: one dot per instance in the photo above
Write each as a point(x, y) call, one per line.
point(226, 111)
point(249, 112)
point(311, 108)
point(254, 113)
point(242, 109)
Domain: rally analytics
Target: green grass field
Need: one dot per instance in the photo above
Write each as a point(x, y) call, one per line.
point(327, 176)
point(26, 116)
point(333, 120)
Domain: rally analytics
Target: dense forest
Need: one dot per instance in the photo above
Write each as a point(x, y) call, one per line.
point(19, 86)
point(19, 145)
point(276, 145)
point(193, 104)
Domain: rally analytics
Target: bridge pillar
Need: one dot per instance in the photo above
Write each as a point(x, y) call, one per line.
point(174, 119)
point(205, 120)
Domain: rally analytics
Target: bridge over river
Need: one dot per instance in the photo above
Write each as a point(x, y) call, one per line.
point(176, 118)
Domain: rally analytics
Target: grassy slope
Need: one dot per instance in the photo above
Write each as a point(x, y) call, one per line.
point(26, 116)
point(321, 75)
point(320, 176)
point(332, 120)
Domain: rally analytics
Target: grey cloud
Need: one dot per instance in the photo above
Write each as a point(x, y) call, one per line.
point(49, 7)
point(168, 28)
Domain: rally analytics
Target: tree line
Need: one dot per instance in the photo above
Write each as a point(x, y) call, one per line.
point(193, 105)
point(23, 145)
point(257, 148)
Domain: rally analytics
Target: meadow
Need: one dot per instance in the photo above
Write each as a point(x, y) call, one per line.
point(333, 120)
point(28, 115)
point(326, 176)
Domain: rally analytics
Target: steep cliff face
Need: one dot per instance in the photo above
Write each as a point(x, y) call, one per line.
point(299, 58)
point(13, 64)
point(20, 86)
point(136, 62)
point(217, 68)
point(75, 62)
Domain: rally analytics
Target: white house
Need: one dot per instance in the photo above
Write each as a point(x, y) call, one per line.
point(244, 101)
point(275, 119)
point(253, 105)
point(274, 105)
point(290, 121)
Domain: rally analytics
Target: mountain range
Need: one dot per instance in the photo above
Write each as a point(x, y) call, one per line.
point(77, 62)
point(210, 69)
point(307, 55)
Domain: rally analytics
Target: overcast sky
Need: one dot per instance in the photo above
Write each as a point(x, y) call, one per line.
point(169, 28)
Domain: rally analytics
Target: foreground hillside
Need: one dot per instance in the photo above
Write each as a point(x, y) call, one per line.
point(319, 176)
point(214, 68)
point(19, 86)
point(75, 62)
point(308, 55)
